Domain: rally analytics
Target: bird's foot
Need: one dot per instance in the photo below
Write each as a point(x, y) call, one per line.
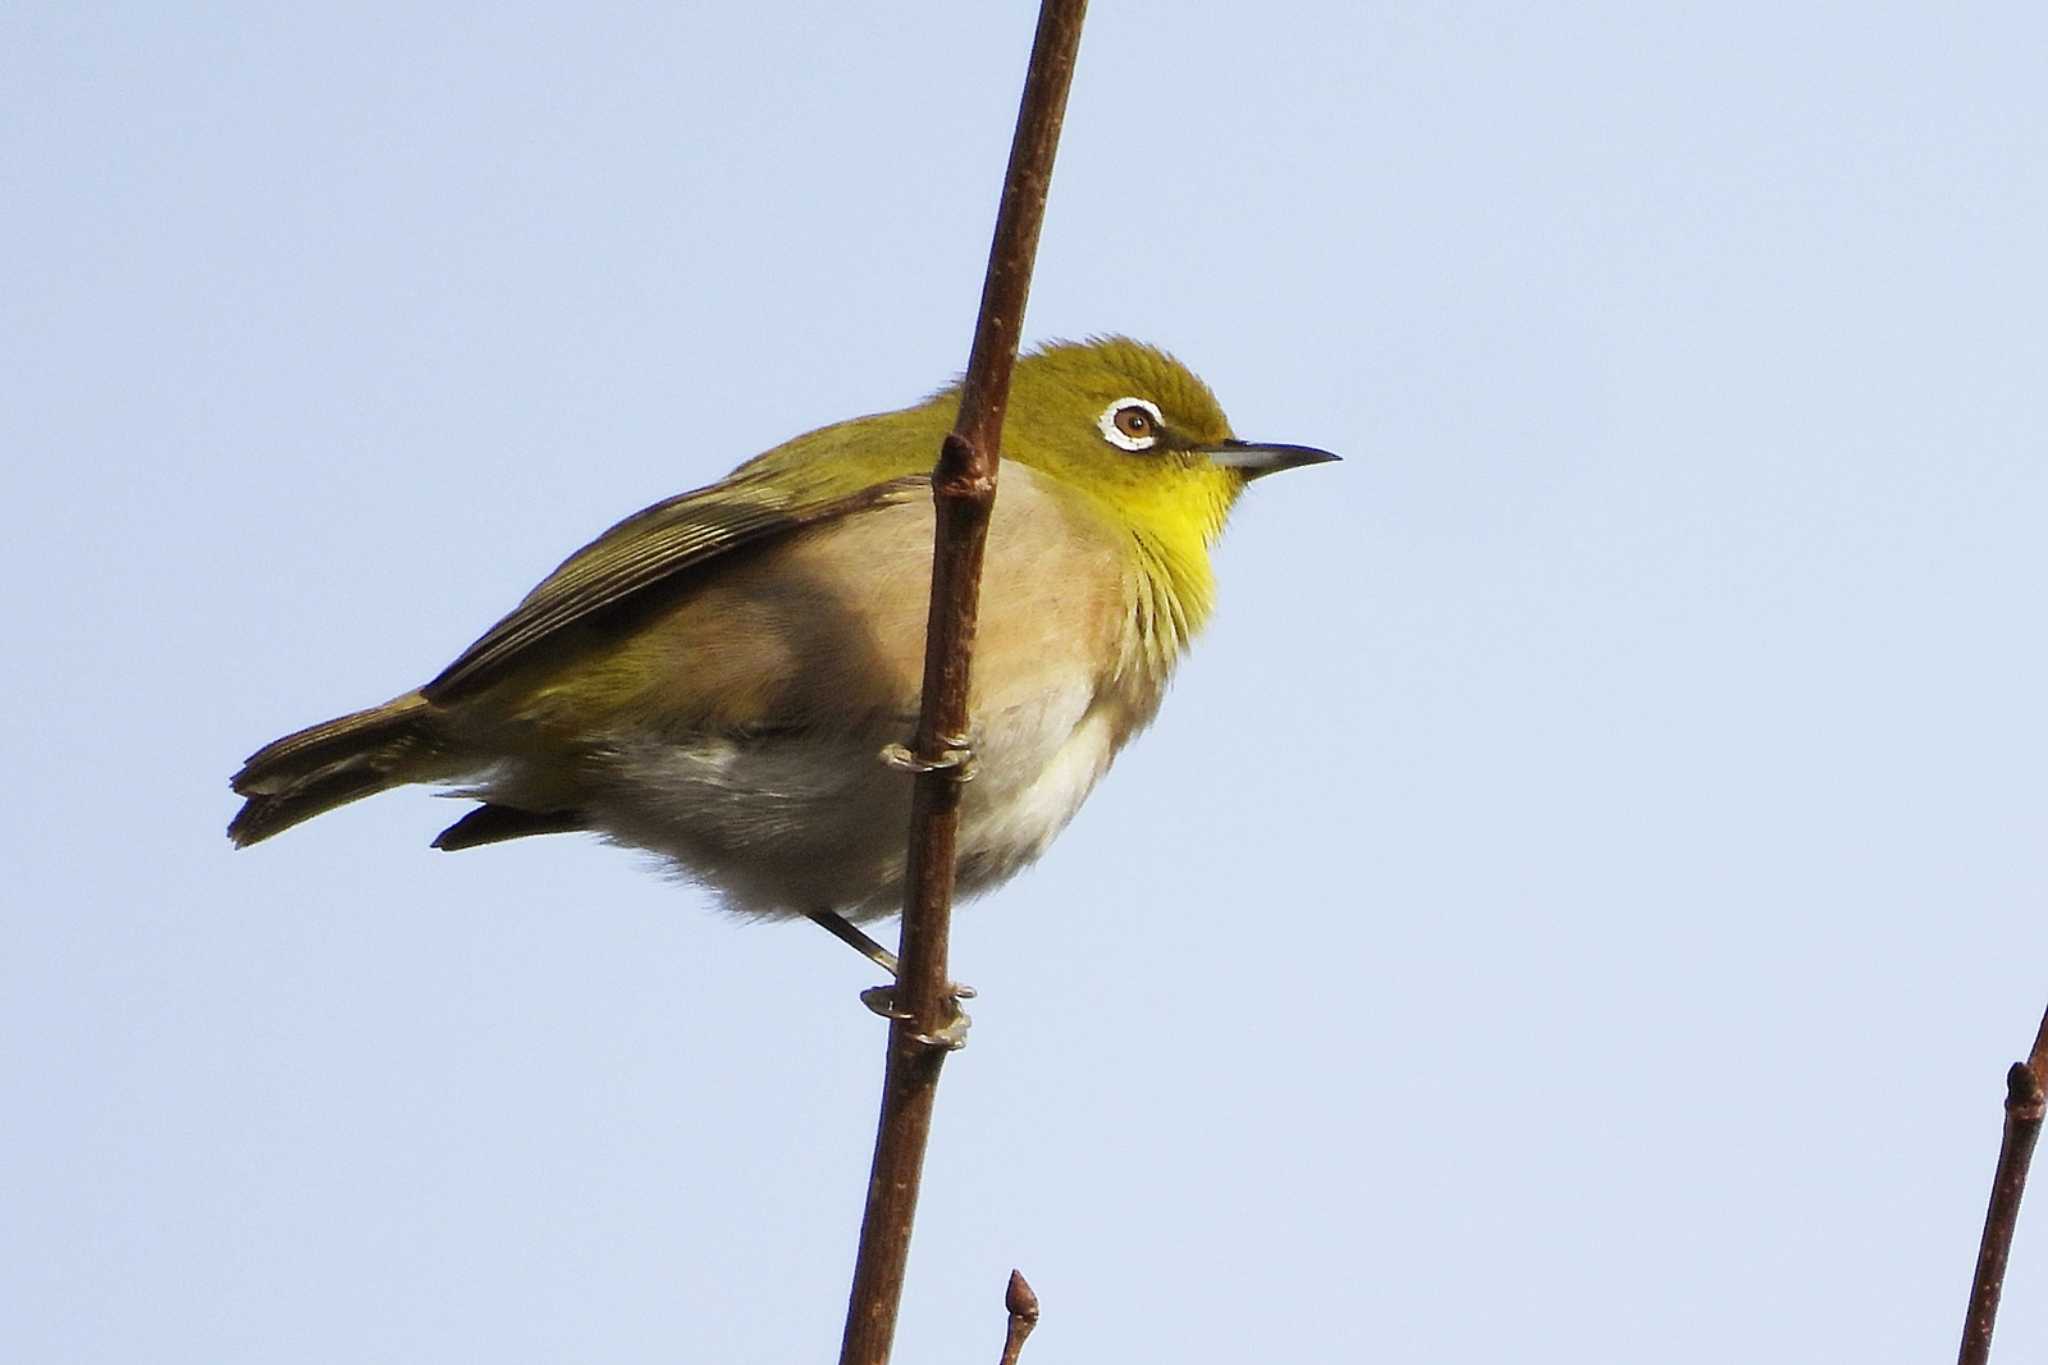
point(956, 757)
point(950, 1035)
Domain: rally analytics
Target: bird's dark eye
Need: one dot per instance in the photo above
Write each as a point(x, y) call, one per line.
point(1131, 424)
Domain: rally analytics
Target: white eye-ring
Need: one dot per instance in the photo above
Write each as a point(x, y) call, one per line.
point(1131, 424)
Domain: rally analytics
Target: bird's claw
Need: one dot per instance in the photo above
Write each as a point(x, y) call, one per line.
point(956, 758)
point(950, 1035)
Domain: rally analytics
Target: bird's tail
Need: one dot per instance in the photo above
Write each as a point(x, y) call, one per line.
point(317, 769)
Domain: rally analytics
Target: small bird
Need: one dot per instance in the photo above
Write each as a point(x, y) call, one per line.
point(713, 678)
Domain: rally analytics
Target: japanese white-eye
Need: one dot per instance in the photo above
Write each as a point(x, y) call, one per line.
point(713, 678)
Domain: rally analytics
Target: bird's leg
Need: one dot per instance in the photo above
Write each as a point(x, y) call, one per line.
point(951, 1035)
point(852, 936)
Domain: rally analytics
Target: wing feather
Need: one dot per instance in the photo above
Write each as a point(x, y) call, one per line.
point(652, 547)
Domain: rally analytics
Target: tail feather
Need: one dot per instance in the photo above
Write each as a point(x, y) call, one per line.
point(489, 824)
point(305, 774)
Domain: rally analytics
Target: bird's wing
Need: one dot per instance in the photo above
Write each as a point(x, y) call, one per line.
point(653, 547)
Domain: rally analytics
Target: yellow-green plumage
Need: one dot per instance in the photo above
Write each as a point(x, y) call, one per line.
point(713, 678)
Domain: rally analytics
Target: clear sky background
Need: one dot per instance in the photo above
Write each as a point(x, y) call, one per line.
point(1579, 900)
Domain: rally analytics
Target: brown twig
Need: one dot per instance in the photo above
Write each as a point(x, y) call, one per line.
point(2026, 1101)
point(964, 487)
point(1022, 1305)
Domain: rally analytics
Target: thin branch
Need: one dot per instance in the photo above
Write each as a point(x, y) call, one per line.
point(1022, 1306)
point(2026, 1101)
point(964, 488)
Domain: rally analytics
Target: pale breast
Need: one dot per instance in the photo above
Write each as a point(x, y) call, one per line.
point(744, 726)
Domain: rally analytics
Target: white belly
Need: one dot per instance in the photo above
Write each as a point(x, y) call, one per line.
point(783, 824)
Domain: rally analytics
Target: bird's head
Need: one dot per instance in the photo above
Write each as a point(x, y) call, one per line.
point(1135, 429)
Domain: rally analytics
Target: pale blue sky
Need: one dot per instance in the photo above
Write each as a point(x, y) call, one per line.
point(1577, 904)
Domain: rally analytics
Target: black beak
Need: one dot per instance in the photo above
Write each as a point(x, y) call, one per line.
point(1258, 458)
